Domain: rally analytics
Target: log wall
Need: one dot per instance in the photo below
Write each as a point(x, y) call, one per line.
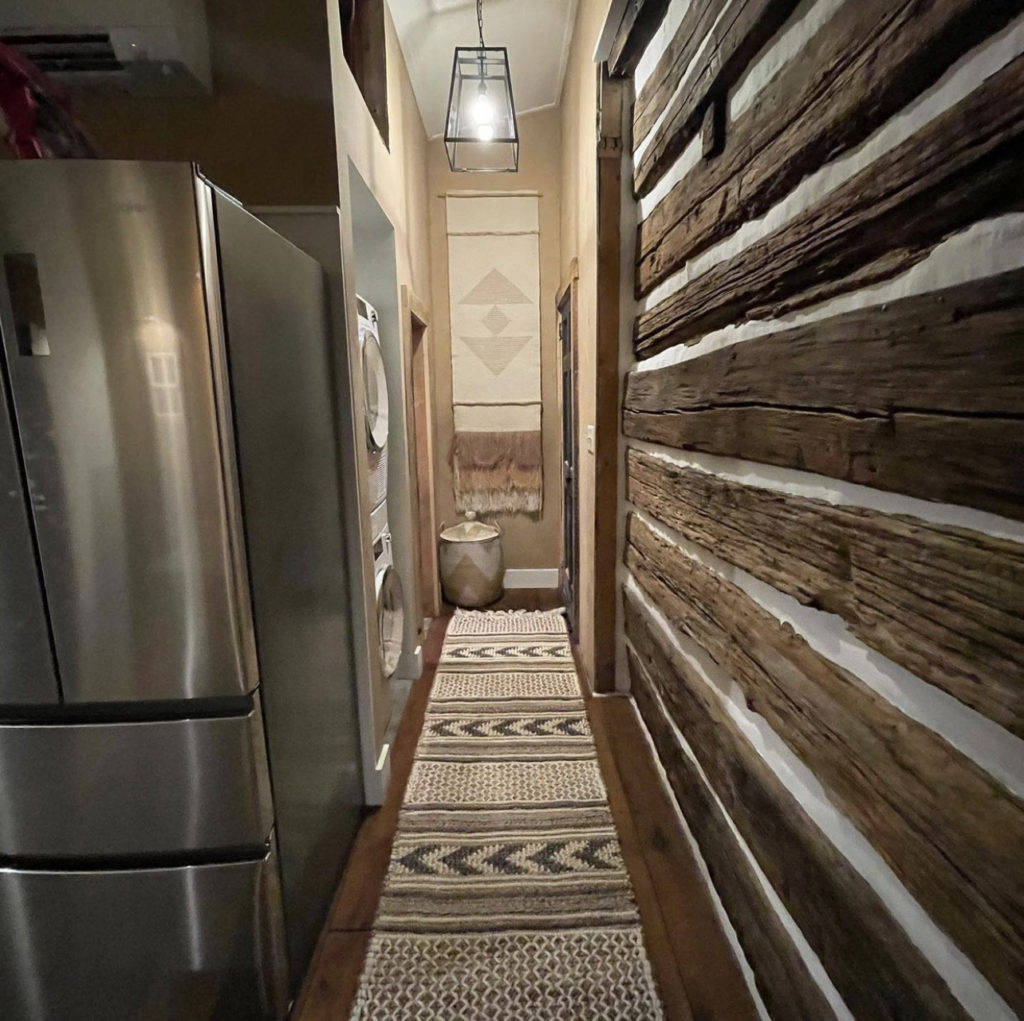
point(823, 423)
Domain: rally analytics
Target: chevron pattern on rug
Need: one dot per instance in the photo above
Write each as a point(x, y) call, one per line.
point(506, 866)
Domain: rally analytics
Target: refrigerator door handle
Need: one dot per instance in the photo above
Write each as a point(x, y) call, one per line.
point(21, 274)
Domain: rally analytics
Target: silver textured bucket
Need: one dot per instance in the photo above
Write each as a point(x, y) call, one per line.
point(472, 570)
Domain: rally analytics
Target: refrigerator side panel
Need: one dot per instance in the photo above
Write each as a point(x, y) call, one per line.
point(115, 408)
point(275, 307)
point(26, 660)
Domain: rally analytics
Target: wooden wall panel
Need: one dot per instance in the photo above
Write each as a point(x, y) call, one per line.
point(947, 828)
point(785, 984)
point(639, 23)
point(946, 603)
point(923, 395)
point(877, 970)
point(744, 27)
point(818, 107)
point(960, 167)
point(659, 88)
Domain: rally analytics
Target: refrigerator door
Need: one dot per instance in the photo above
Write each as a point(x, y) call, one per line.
point(200, 943)
point(115, 407)
point(26, 659)
point(278, 343)
point(173, 787)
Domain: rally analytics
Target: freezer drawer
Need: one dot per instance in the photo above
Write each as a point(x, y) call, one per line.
point(79, 790)
point(203, 943)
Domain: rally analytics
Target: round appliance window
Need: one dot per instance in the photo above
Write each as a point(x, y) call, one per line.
point(390, 619)
point(376, 393)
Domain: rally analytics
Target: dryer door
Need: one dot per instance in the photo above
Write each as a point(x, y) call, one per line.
point(376, 386)
point(390, 619)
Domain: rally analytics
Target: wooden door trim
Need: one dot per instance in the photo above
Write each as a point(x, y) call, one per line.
point(569, 294)
point(414, 313)
point(611, 109)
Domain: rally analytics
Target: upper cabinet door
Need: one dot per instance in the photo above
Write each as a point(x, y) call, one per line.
point(110, 368)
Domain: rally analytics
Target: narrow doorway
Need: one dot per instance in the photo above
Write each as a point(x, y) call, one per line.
point(570, 450)
point(421, 450)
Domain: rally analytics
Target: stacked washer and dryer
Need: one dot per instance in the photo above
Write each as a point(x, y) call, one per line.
point(388, 585)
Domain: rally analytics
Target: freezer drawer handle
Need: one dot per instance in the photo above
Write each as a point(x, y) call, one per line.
point(22, 274)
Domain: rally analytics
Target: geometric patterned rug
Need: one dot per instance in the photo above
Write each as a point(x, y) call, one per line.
point(506, 896)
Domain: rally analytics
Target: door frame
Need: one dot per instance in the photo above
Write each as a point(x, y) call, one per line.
point(419, 387)
point(569, 568)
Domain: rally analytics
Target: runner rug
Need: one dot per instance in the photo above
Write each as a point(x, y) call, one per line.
point(506, 895)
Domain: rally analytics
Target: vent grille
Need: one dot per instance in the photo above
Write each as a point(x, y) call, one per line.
point(67, 53)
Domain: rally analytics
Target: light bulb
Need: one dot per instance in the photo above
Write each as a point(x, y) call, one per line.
point(485, 132)
point(483, 111)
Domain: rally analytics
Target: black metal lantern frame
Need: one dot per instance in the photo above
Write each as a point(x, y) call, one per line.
point(481, 134)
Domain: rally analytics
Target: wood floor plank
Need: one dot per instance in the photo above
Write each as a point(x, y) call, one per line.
point(710, 973)
point(331, 988)
point(657, 937)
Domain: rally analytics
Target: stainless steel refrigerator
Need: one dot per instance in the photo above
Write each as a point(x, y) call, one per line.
point(179, 758)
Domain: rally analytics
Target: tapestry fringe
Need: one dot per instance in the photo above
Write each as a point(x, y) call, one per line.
point(498, 472)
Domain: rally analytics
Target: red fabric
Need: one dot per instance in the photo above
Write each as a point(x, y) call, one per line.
point(36, 114)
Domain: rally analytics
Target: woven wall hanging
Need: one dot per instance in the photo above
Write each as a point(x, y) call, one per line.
point(494, 291)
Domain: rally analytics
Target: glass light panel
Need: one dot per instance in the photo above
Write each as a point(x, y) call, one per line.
point(481, 133)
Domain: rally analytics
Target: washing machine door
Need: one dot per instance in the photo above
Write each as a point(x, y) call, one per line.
point(376, 391)
point(390, 619)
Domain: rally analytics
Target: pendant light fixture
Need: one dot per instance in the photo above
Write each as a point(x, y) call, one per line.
point(480, 133)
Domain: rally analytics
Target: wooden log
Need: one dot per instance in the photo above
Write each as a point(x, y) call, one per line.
point(960, 167)
point(744, 27)
point(921, 395)
point(947, 828)
point(658, 89)
point(818, 107)
point(639, 23)
point(946, 603)
point(782, 978)
point(969, 461)
point(873, 964)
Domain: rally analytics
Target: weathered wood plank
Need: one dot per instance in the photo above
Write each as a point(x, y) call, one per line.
point(744, 27)
point(949, 830)
point(639, 23)
point(954, 350)
point(785, 984)
point(946, 603)
point(970, 461)
point(921, 396)
point(820, 106)
point(656, 92)
point(960, 167)
point(878, 971)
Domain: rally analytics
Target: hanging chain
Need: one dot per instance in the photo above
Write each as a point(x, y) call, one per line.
point(480, 20)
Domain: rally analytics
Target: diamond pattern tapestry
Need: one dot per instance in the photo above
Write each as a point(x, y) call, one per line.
point(494, 295)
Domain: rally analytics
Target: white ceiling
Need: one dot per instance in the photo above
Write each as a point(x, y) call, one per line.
point(536, 32)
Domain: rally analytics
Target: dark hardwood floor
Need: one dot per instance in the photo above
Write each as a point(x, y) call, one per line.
point(697, 975)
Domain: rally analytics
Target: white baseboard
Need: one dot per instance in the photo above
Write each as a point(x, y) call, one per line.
point(531, 577)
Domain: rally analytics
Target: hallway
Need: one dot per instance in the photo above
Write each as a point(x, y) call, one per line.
point(662, 870)
point(512, 510)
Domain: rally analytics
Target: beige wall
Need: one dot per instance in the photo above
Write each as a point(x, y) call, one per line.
point(529, 540)
point(579, 242)
point(397, 179)
point(266, 134)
